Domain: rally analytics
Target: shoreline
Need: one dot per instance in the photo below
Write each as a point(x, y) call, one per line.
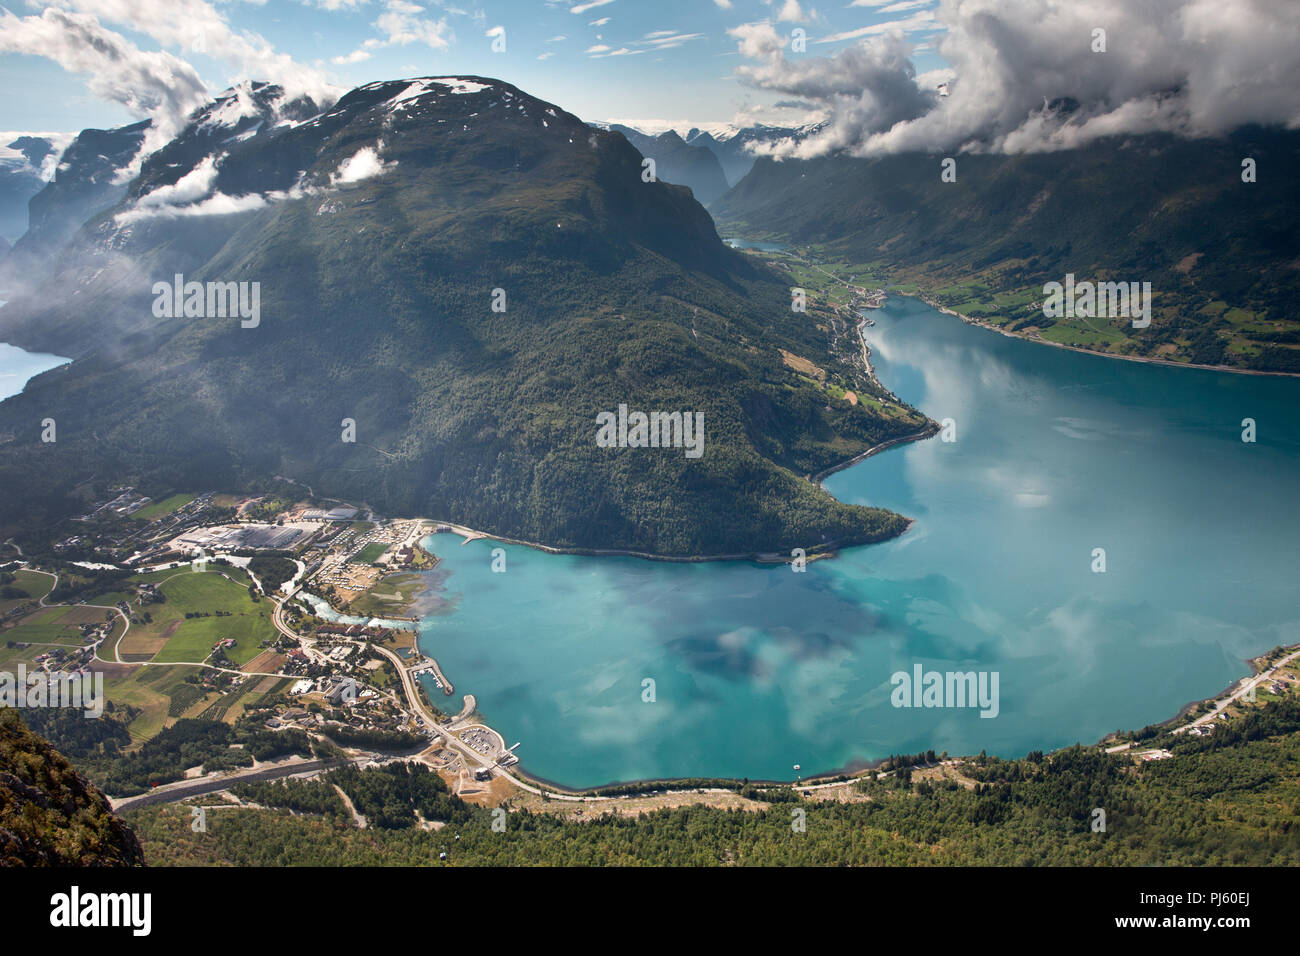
point(875, 450)
point(848, 774)
point(758, 557)
point(980, 323)
point(925, 297)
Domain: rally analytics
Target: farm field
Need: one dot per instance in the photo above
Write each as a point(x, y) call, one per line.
point(152, 690)
point(370, 553)
point(157, 509)
point(55, 625)
point(171, 637)
point(35, 584)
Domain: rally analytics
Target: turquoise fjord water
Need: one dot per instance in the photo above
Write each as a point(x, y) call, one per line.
point(17, 367)
point(760, 246)
point(758, 668)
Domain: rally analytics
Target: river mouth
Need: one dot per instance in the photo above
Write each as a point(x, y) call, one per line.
point(611, 669)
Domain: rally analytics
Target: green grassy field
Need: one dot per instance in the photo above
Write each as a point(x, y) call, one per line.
point(370, 553)
point(160, 693)
point(1083, 334)
point(36, 585)
point(393, 594)
point(191, 639)
point(150, 689)
point(55, 625)
point(157, 509)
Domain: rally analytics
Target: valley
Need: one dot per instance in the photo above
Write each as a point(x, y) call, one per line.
point(988, 243)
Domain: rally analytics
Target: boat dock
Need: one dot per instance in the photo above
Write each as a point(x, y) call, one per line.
point(427, 665)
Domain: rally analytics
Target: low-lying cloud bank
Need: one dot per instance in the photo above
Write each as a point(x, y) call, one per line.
point(1027, 75)
point(195, 193)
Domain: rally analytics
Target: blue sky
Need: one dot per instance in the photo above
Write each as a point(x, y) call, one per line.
point(622, 60)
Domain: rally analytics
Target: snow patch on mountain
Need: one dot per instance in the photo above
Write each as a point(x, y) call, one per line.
point(439, 85)
point(233, 106)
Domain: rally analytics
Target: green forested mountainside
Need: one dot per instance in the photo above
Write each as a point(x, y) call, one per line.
point(102, 747)
point(1232, 798)
point(1222, 255)
point(376, 306)
point(49, 814)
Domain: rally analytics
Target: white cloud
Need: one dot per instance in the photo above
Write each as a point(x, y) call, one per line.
point(402, 28)
point(902, 6)
point(359, 55)
point(193, 186)
point(364, 164)
point(197, 26)
point(1024, 76)
point(154, 84)
point(924, 20)
point(589, 5)
point(790, 12)
point(667, 39)
point(218, 204)
point(401, 25)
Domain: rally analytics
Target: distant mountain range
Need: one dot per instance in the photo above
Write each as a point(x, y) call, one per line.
point(731, 147)
point(1222, 255)
point(90, 177)
point(676, 162)
point(25, 166)
point(381, 232)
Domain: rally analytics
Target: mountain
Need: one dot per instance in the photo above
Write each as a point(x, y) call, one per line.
point(95, 172)
point(88, 179)
point(731, 147)
point(381, 233)
point(1220, 253)
point(21, 178)
point(239, 114)
point(49, 814)
point(676, 162)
